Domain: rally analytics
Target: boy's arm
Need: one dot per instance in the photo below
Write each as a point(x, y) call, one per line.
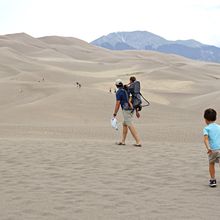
point(206, 142)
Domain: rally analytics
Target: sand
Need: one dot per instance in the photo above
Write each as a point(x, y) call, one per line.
point(58, 158)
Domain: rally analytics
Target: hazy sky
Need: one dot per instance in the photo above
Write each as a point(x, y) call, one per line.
point(90, 19)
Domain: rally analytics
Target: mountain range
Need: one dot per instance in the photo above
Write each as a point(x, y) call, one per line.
point(143, 40)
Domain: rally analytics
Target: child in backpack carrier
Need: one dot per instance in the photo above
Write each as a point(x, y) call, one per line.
point(134, 91)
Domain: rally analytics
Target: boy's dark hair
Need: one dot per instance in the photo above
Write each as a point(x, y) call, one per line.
point(210, 114)
point(132, 78)
point(125, 87)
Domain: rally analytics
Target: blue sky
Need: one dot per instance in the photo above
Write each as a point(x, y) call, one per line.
point(90, 19)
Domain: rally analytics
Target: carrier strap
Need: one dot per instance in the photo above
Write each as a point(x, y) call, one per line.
point(148, 103)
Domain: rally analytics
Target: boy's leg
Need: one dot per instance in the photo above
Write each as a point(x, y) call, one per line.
point(134, 134)
point(212, 182)
point(137, 114)
point(212, 170)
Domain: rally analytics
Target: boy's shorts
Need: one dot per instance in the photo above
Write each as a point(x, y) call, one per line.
point(128, 115)
point(214, 157)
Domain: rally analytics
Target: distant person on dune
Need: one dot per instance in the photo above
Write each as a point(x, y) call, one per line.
point(122, 100)
point(212, 142)
point(78, 85)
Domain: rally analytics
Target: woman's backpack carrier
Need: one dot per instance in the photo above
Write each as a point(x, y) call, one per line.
point(134, 89)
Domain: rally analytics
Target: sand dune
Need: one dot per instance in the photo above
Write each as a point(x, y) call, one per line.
point(58, 159)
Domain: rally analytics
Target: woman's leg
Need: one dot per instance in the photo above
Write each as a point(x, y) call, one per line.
point(124, 134)
point(134, 134)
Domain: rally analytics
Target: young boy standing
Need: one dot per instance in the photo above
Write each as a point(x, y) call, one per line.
point(212, 142)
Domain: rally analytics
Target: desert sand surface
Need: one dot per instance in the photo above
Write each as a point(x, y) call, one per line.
point(58, 158)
